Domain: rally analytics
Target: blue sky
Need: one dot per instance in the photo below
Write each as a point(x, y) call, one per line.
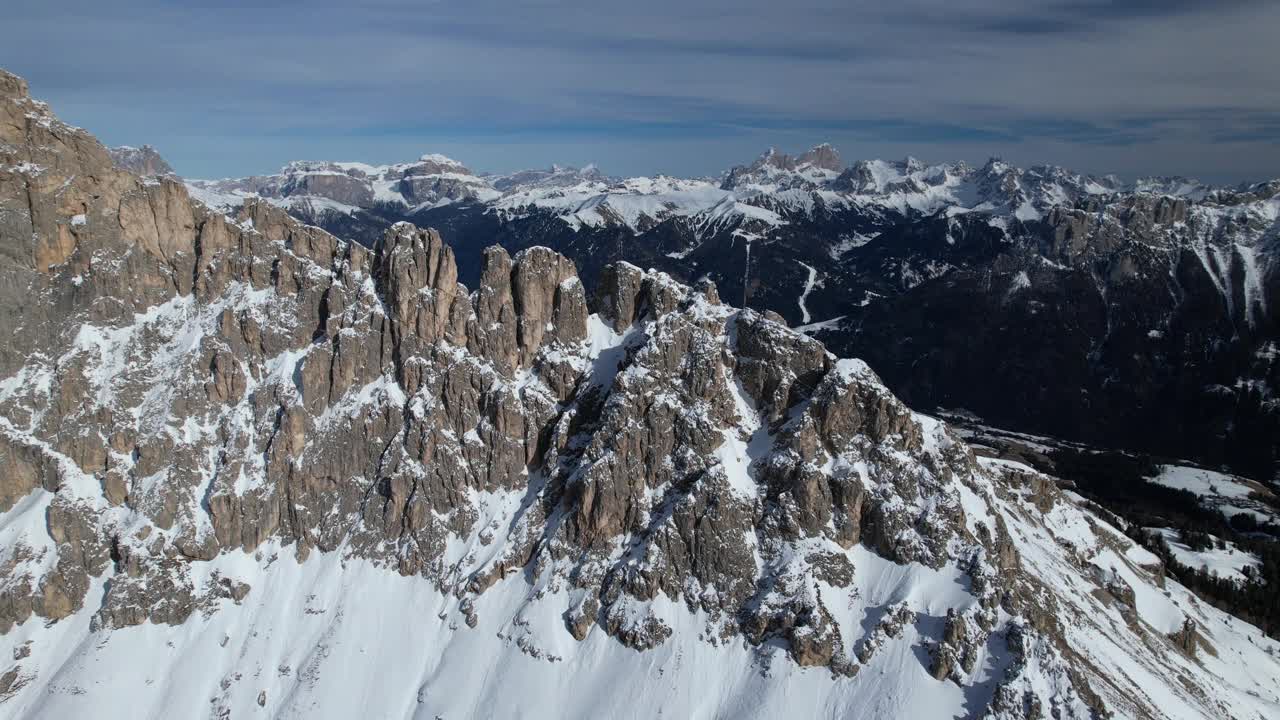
point(685, 87)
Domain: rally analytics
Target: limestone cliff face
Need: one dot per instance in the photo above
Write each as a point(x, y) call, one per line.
point(144, 161)
point(178, 385)
point(189, 384)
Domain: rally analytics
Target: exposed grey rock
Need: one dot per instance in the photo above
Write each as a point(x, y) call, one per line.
point(821, 156)
point(191, 385)
point(316, 190)
point(359, 398)
point(144, 161)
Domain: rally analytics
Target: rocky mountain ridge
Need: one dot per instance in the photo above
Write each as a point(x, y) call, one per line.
point(345, 187)
point(996, 188)
point(144, 161)
point(217, 432)
point(1129, 315)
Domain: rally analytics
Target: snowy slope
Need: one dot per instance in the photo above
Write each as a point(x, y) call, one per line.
point(1224, 559)
point(335, 637)
point(332, 639)
point(337, 634)
point(1229, 494)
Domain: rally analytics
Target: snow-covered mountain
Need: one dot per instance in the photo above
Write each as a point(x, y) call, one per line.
point(1131, 313)
point(250, 467)
point(346, 187)
point(555, 176)
point(769, 190)
point(774, 171)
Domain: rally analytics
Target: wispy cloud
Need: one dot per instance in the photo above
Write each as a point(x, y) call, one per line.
point(1134, 86)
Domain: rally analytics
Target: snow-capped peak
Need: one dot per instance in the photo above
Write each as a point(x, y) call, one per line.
point(774, 171)
point(144, 161)
point(556, 176)
point(439, 159)
point(770, 189)
point(347, 187)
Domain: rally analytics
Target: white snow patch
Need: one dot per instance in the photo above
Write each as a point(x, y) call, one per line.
point(1224, 560)
point(808, 288)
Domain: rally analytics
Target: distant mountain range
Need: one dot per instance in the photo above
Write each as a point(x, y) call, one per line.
point(779, 184)
point(1131, 314)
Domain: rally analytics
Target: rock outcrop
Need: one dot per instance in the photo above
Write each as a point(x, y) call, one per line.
point(180, 386)
point(1130, 315)
point(145, 161)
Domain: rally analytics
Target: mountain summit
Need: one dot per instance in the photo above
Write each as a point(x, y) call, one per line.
point(144, 161)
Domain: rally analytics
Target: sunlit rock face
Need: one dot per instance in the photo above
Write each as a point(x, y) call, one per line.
point(248, 466)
